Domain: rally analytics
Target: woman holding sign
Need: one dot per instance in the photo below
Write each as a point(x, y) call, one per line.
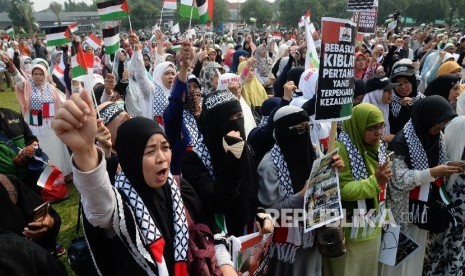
point(415, 193)
point(362, 184)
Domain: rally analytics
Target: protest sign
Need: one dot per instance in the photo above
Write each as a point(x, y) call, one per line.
point(366, 21)
point(360, 5)
point(336, 75)
point(396, 247)
point(253, 257)
point(322, 200)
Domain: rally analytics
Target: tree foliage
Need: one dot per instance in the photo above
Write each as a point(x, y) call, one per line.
point(143, 15)
point(71, 6)
point(56, 8)
point(20, 13)
point(259, 9)
point(220, 12)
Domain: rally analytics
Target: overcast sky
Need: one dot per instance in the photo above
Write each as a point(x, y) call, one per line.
point(43, 4)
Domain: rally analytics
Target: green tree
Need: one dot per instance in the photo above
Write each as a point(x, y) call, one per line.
point(220, 13)
point(71, 6)
point(143, 15)
point(56, 8)
point(20, 13)
point(437, 9)
point(259, 9)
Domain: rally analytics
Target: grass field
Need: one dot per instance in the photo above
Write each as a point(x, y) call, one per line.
point(67, 208)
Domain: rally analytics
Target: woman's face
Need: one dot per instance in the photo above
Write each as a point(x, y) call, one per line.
point(89, 49)
point(168, 77)
point(263, 52)
point(215, 80)
point(405, 87)
point(250, 74)
point(57, 58)
point(454, 93)
point(387, 96)
point(156, 161)
point(360, 62)
point(38, 77)
point(373, 134)
point(146, 61)
point(436, 129)
point(457, 73)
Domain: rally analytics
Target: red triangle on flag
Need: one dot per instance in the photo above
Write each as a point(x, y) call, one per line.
point(124, 6)
point(84, 59)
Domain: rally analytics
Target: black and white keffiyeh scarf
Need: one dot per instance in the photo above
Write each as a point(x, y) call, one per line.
point(196, 141)
point(160, 101)
point(419, 161)
point(287, 239)
point(359, 172)
point(148, 245)
point(396, 103)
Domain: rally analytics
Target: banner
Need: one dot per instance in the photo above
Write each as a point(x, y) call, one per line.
point(367, 21)
point(322, 200)
point(396, 247)
point(360, 5)
point(336, 80)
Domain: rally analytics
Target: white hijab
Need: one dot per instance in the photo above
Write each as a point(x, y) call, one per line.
point(375, 98)
point(158, 71)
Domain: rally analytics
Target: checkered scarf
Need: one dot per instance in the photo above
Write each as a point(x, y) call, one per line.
point(150, 235)
point(396, 103)
point(196, 141)
point(359, 172)
point(41, 95)
point(160, 101)
point(287, 239)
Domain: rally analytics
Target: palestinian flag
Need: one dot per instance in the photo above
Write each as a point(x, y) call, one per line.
point(73, 27)
point(10, 31)
point(57, 36)
point(81, 64)
point(48, 177)
point(94, 41)
point(58, 71)
point(111, 40)
point(202, 9)
point(170, 5)
point(113, 10)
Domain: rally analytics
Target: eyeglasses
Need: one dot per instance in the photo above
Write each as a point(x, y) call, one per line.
point(301, 128)
point(376, 128)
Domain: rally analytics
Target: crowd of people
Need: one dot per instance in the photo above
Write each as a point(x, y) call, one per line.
point(205, 129)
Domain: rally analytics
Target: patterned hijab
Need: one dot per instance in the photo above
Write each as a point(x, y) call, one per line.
point(264, 62)
point(207, 74)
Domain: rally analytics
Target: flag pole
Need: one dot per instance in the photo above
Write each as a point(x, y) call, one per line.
point(192, 11)
point(161, 17)
point(130, 24)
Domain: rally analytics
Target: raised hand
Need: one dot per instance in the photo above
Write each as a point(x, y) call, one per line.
point(75, 123)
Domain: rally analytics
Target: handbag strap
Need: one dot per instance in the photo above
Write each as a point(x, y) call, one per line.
point(8, 142)
point(10, 189)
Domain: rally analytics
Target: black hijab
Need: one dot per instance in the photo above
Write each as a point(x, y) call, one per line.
point(441, 86)
point(426, 113)
point(294, 74)
point(296, 148)
point(130, 145)
point(217, 108)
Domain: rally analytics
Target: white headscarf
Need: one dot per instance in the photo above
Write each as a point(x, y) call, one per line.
point(453, 139)
point(158, 71)
point(375, 98)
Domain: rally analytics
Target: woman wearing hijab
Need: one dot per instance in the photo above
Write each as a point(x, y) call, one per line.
point(362, 182)
point(209, 77)
point(120, 63)
point(361, 65)
point(405, 95)
point(148, 64)
point(447, 251)
point(246, 47)
point(163, 78)
point(450, 68)
point(419, 166)
point(223, 172)
point(228, 60)
point(239, 56)
point(284, 171)
point(446, 86)
point(253, 91)
point(380, 94)
point(39, 101)
point(138, 226)
point(262, 65)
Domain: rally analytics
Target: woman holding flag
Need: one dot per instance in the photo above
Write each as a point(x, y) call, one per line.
point(39, 100)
